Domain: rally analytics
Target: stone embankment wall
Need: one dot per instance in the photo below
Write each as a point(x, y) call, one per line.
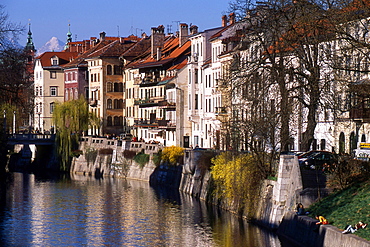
point(277, 197)
point(275, 209)
point(104, 157)
point(301, 230)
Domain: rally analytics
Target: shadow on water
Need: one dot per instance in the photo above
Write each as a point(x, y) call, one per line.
point(225, 228)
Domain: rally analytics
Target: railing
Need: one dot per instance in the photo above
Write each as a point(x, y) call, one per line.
point(93, 102)
point(221, 110)
point(359, 113)
point(31, 137)
point(166, 104)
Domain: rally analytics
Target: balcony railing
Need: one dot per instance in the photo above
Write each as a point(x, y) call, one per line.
point(93, 102)
point(359, 113)
point(221, 110)
point(167, 104)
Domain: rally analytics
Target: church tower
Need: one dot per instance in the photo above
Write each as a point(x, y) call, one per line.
point(69, 37)
point(30, 47)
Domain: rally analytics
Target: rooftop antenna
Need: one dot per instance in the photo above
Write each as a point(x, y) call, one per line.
point(178, 24)
point(118, 30)
point(141, 30)
point(169, 28)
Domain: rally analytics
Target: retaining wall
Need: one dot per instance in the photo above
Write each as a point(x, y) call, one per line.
point(300, 230)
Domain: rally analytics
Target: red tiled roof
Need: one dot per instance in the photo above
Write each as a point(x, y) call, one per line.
point(139, 49)
point(113, 49)
point(80, 60)
point(64, 57)
point(170, 52)
point(180, 65)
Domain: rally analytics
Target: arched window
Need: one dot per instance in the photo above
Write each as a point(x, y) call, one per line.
point(109, 121)
point(109, 104)
point(120, 104)
point(118, 87)
point(363, 138)
point(109, 69)
point(109, 87)
point(117, 70)
point(116, 121)
point(342, 143)
point(323, 144)
point(120, 120)
point(352, 142)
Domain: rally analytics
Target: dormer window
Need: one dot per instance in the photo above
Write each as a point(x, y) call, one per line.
point(54, 60)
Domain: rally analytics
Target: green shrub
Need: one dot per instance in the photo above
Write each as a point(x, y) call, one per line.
point(157, 158)
point(141, 159)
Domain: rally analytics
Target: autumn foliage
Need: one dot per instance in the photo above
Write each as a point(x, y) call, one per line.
point(172, 154)
point(237, 180)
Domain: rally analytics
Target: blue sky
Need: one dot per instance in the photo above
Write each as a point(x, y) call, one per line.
point(89, 18)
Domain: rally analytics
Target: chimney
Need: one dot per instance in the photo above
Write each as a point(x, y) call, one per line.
point(183, 34)
point(231, 18)
point(224, 20)
point(157, 39)
point(102, 36)
point(143, 35)
point(193, 30)
point(159, 53)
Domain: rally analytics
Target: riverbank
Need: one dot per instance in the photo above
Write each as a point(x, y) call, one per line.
point(300, 230)
point(277, 198)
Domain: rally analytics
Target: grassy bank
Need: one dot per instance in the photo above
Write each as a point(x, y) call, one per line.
point(347, 207)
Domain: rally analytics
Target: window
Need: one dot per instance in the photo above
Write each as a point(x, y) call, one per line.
point(196, 76)
point(109, 87)
point(53, 91)
point(109, 69)
point(52, 107)
point(37, 91)
point(117, 70)
point(116, 121)
point(109, 121)
point(196, 102)
point(53, 74)
point(109, 104)
point(54, 61)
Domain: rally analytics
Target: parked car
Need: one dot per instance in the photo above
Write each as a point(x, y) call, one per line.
point(318, 160)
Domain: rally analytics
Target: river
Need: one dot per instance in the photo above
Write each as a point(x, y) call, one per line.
point(83, 211)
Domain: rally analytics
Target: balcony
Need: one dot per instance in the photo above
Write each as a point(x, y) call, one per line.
point(167, 105)
point(93, 102)
point(166, 124)
point(221, 111)
point(360, 114)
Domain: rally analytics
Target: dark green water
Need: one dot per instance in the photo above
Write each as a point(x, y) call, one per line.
point(82, 211)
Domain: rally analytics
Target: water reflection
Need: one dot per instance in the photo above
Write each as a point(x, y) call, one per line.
point(89, 212)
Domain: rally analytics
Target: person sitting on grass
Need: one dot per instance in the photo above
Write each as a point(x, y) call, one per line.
point(351, 229)
point(322, 220)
